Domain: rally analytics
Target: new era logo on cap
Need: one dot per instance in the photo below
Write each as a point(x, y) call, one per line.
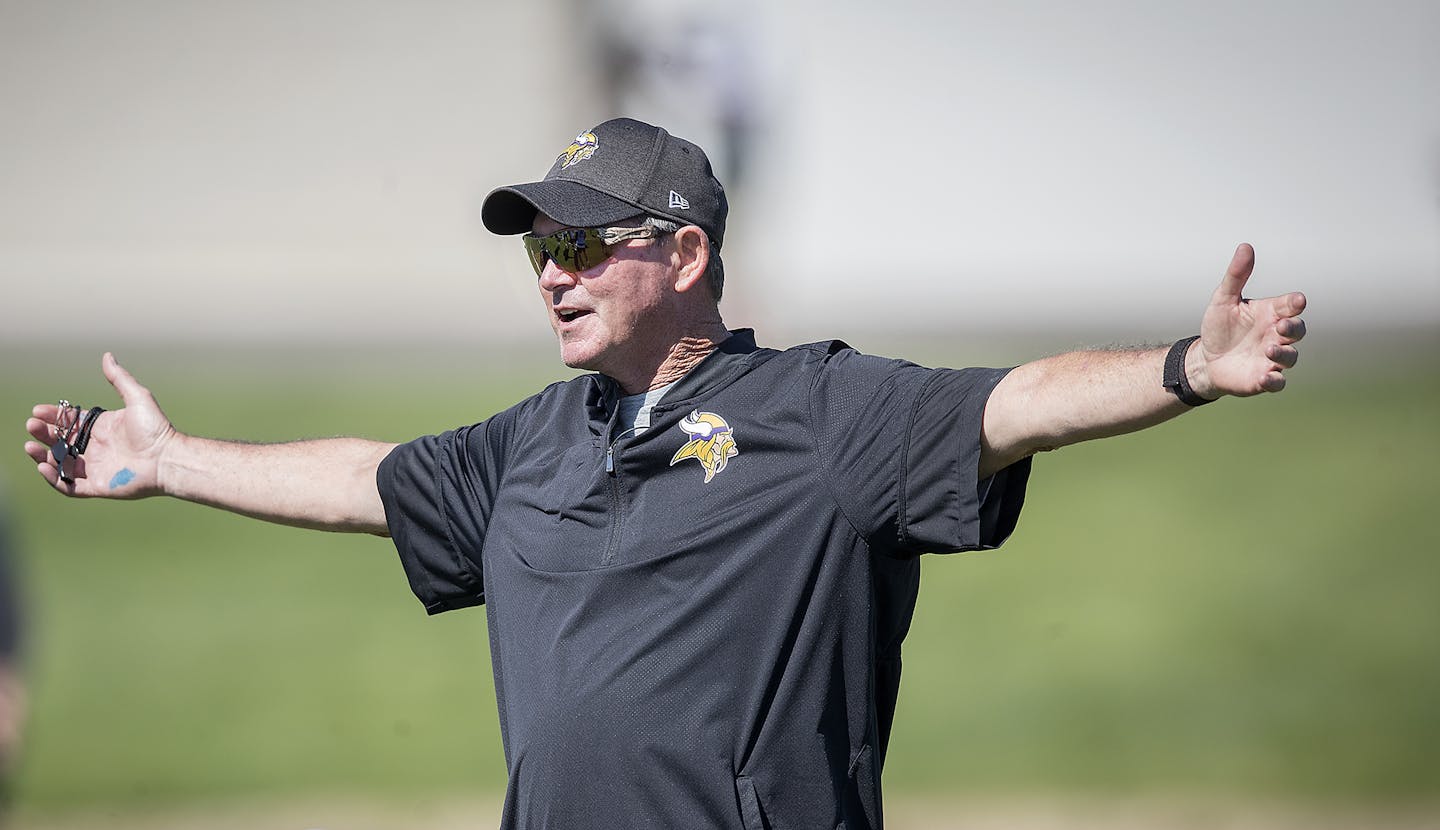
point(678, 201)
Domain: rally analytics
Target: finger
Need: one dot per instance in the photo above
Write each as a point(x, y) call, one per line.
point(1273, 382)
point(38, 452)
point(1291, 330)
point(49, 473)
point(1233, 283)
point(1285, 356)
point(47, 412)
point(1290, 305)
point(131, 392)
point(42, 431)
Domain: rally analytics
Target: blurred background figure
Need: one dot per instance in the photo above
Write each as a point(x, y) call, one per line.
point(682, 63)
point(12, 689)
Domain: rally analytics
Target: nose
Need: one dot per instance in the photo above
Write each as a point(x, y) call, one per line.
point(552, 277)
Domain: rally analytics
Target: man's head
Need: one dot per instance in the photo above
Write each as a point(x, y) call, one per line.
point(624, 233)
point(617, 170)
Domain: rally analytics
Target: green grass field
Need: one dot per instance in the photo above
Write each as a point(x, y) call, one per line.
point(1245, 602)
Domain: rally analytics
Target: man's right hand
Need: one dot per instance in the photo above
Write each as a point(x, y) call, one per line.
point(327, 483)
point(126, 445)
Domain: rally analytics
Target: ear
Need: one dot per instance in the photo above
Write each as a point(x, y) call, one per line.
point(692, 247)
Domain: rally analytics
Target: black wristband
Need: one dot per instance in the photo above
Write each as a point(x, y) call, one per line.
point(1174, 378)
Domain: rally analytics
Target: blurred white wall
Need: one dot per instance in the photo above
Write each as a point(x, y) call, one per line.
point(258, 171)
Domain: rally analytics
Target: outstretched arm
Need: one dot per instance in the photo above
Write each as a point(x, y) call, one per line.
point(1244, 348)
point(135, 452)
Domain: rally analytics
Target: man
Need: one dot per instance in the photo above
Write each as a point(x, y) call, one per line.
point(698, 563)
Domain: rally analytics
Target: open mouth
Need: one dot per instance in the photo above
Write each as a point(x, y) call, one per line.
point(572, 315)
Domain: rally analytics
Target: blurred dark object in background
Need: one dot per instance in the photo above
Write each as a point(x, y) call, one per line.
point(12, 689)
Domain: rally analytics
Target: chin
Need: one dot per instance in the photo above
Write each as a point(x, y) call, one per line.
point(577, 357)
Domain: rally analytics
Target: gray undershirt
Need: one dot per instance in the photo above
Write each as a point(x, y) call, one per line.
point(635, 411)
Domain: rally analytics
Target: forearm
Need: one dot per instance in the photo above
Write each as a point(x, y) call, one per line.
point(326, 484)
point(1080, 396)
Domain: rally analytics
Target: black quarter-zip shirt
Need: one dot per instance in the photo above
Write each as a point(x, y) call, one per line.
point(700, 626)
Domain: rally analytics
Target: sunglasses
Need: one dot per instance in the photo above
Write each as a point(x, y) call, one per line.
point(580, 249)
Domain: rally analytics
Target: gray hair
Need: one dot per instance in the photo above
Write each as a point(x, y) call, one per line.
point(714, 272)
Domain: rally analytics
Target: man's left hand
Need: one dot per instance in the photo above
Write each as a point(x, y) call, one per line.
point(1245, 345)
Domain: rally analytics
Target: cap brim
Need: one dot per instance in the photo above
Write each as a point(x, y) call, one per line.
point(512, 210)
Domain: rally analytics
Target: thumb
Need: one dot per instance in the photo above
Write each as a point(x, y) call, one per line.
point(131, 392)
point(1233, 283)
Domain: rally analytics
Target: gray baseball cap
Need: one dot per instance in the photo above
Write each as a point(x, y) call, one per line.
point(614, 171)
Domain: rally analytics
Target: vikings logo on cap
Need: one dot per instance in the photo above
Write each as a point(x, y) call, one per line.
point(583, 147)
point(711, 442)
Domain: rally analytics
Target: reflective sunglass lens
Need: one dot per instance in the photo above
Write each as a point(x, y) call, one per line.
point(579, 249)
point(572, 250)
point(537, 254)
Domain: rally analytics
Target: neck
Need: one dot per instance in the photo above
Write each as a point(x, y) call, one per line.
point(682, 356)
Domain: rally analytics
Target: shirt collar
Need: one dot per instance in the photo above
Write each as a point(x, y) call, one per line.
point(730, 357)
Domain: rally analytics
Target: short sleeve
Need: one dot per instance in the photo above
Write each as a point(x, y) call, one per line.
point(438, 493)
point(901, 446)
point(946, 506)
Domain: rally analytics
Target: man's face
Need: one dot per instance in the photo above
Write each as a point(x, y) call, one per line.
point(613, 317)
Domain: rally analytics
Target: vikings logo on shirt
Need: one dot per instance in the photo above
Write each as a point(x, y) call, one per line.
point(583, 147)
point(711, 442)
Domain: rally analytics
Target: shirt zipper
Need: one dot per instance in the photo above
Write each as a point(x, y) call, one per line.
point(617, 515)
